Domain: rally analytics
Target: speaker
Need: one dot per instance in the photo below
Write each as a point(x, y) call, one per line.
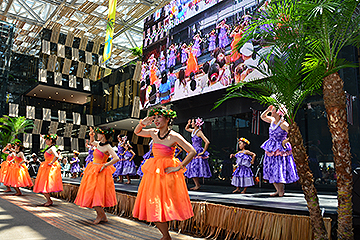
point(356, 190)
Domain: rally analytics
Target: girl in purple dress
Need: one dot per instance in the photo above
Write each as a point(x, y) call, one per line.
point(184, 55)
point(129, 168)
point(162, 62)
point(223, 34)
point(279, 166)
point(90, 156)
point(120, 153)
point(212, 41)
point(243, 176)
point(172, 56)
point(196, 47)
point(75, 164)
point(199, 166)
point(146, 156)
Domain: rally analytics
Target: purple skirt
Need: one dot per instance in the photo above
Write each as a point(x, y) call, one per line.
point(242, 177)
point(128, 168)
point(280, 169)
point(198, 167)
point(75, 168)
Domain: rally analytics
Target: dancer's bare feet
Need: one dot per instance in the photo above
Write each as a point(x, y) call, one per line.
point(243, 192)
point(100, 219)
point(236, 190)
point(166, 238)
point(195, 188)
point(47, 204)
point(274, 194)
point(281, 194)
point(18, 194)
point(128, 182)
point(8, 190)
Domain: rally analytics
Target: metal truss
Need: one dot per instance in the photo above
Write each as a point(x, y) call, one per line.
point(80, 17)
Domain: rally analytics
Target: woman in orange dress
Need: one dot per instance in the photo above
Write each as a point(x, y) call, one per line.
point(192, 64)
point(237, 35)
point(162, 194)
point(17, 174)
point(8, 149)
point(97, 189)
point(49, 178)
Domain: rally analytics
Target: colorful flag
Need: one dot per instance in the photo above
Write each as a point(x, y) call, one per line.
point(110, 30)
point(255, 122)
point(349, 108)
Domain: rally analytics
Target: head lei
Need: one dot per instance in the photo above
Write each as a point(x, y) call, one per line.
point(244, 140)
point(16, 142)
point(164, 112)
point(199, 122)
point(76, 152)
point(50, 136)
point(106, 131)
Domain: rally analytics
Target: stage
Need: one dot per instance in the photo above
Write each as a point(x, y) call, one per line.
point(224, 215)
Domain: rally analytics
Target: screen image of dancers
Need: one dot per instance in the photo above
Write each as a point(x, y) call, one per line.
point(97, 189)
point(199, 166)
point(90, 156)
point(120, 153)
point(162, 194)
point(146, 156)
point(75, 164)
point(17, 173)
point(49, 178)
point(129, 168)
point(279, 166)
point(243, 176)
point(9, 150)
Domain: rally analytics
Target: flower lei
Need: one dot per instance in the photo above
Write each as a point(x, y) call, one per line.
point(50, 136)
point(244, 140)
point(164, 112)
point(107, 131)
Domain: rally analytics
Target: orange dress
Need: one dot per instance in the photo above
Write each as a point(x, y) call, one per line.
point(17, 175)
point(97, 188)
point(235, 55)
point(48, 178)
point(162, 196)
point(192, 65)
point(4, 167)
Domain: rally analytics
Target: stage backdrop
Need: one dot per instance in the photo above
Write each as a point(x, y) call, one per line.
point(199, 55)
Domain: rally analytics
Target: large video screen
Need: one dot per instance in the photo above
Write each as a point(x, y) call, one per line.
point(199, 55)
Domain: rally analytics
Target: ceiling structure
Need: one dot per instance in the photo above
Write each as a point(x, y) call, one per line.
point(83, 18)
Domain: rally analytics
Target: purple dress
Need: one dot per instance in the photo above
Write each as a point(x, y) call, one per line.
point(177, 150)
point(162, 65)
point(196, 47)
point(184, 56)
point(212, 43)
point(223, 38)
point(75, 167)
point(129, 167)
point(119, 164)
point(146, 156)
point(89, 157)
point(279, 165)
point(172, 59)
point(199, 166)
point(243, 176)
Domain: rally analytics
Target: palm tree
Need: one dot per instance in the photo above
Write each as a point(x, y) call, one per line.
point(332, 25)
point(15, 126)
point(288, 86)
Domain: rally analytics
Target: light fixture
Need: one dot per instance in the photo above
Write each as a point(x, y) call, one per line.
point(56, 93)
point(64, 99)
point(132, 121)
point(77, 101)
point(72, 95)
point(40, 90)
point(49, 96)
point(115, 125)
point(34, 94)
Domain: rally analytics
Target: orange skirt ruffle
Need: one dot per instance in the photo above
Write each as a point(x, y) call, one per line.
point(97, 189)
point(48, 178)
point(17, 176)
point(3, 170)
point(162, 197)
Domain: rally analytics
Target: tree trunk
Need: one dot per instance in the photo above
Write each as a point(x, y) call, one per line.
point(307, 182)
point(335, 104)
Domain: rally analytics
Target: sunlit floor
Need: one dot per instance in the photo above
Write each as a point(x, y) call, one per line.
point(22, 217)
